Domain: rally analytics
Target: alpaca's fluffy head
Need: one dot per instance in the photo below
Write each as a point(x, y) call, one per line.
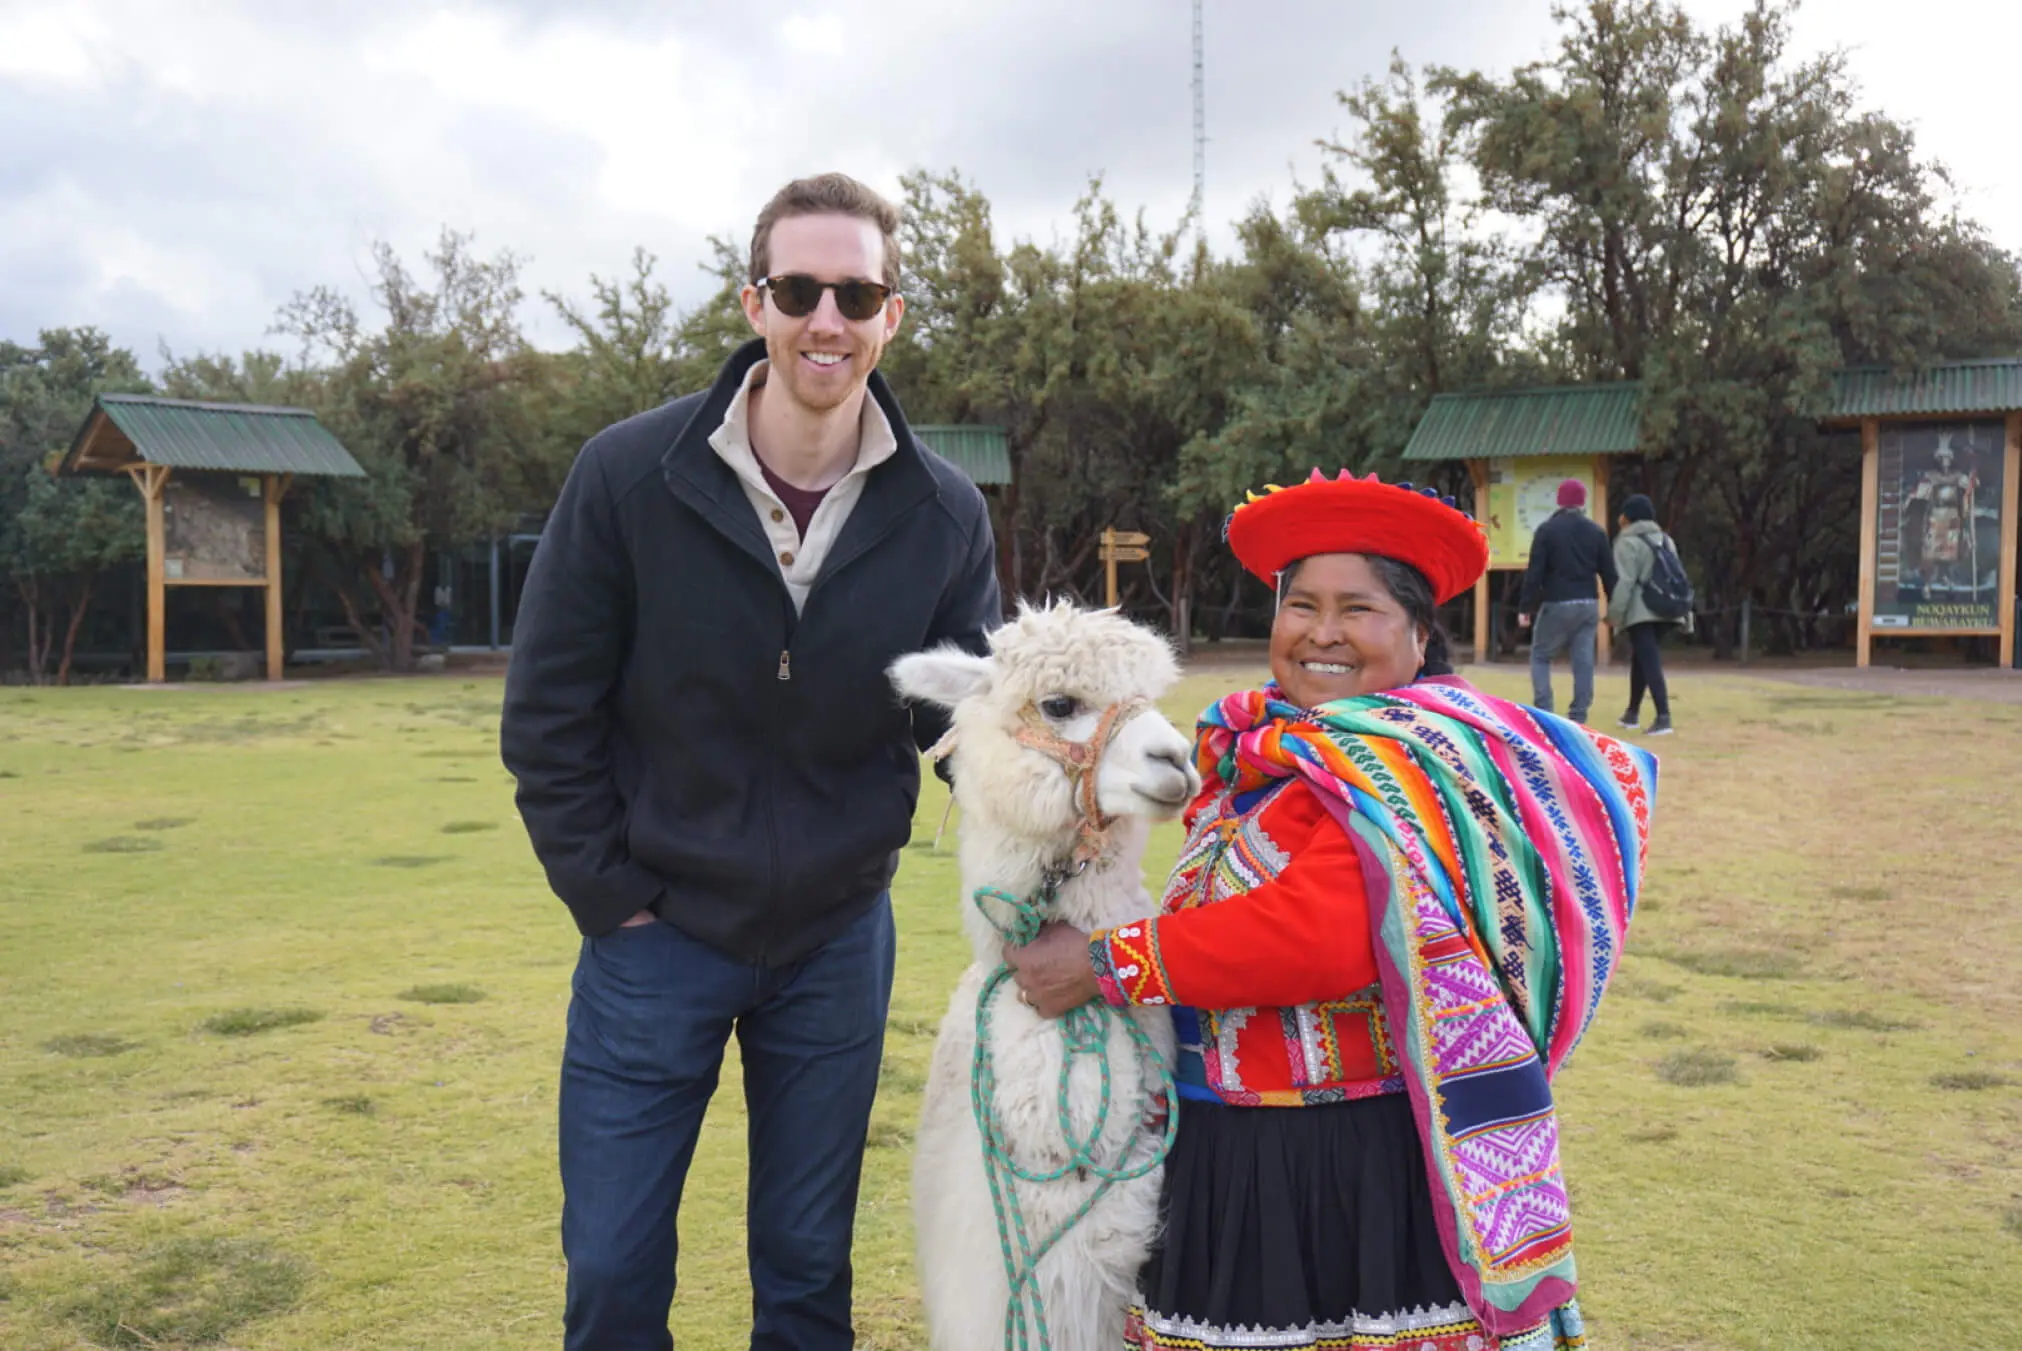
point(1059, 667)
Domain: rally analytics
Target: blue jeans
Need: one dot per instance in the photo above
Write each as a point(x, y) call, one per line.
point(652, 1013)
point(1560, 625)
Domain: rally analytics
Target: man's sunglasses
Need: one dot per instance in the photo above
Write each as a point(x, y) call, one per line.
point(797, 294)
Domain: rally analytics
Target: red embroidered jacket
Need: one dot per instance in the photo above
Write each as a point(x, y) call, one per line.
point(1263, 948)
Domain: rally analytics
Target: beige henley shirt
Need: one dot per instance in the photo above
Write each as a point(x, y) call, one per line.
point(800, 559)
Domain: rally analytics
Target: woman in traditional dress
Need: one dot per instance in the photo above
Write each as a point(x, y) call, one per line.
point(1397, 906)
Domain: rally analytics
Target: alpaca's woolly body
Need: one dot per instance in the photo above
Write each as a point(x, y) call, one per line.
point(1018, 818)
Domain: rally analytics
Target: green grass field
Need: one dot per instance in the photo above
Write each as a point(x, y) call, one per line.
point(282, 990)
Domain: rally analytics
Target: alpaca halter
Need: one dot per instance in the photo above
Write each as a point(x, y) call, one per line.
point(1081, 760)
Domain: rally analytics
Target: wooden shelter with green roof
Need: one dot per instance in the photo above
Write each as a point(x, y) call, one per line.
point(1941, 463)
point(978, 450)
point(1519, 445)
point(983, 452)
point(213, 476)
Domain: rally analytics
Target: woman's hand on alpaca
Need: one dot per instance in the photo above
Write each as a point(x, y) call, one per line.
point(1053, 971)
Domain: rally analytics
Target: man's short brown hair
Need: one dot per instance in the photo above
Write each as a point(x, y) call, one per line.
point(826, 195)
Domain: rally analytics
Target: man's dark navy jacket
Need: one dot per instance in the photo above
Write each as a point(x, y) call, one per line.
point(1568, 552)
point(682, 740)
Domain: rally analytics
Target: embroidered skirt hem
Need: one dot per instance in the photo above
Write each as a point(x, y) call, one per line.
point(1447, 1328)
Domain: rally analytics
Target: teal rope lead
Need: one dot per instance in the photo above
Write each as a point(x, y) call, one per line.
point(1085, 1032)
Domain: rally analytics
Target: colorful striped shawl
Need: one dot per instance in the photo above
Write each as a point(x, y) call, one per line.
point(1502, 849)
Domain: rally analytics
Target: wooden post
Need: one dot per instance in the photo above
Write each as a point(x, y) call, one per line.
point(2011, 497)
point(1597, 507)
point(1121, 546)
point(1478, 470)
point(152, 479)
point(273, 488)
point(1871, 505)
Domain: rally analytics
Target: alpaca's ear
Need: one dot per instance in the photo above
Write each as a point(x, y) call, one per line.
point(945, 676)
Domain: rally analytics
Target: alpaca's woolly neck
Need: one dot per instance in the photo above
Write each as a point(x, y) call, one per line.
point(1110, 891)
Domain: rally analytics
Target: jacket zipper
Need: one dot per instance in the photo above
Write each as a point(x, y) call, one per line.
point(768, 786)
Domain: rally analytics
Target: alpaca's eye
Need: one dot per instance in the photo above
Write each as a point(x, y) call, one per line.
point(1060, 706)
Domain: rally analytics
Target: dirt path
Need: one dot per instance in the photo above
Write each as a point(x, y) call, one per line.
point(1983, 683)
point(1934, 682)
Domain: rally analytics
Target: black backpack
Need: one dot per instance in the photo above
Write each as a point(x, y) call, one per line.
point(1667, 591)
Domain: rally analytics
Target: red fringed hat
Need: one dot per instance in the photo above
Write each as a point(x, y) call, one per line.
point(1349, 515)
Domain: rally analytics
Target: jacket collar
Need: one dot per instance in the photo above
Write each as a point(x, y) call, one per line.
point(696, 474)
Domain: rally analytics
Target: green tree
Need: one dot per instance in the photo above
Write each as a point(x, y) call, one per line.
point(441, 406)
point(716, 328)
point(68, 533)
point(635, 350)
point(1444, 303)
point(625, 361)
point(1720, 221)
point(58, 537)
point(255, 377)
point(1129, 360)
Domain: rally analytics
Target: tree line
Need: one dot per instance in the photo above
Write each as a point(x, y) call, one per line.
point(1698, 209)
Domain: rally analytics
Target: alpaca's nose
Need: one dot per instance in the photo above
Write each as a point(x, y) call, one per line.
point(1173, 756)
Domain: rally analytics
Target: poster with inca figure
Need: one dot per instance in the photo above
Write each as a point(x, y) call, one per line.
point(1938, 554)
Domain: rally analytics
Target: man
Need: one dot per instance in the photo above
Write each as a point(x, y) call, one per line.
point(717, 776)
point(1559, 603)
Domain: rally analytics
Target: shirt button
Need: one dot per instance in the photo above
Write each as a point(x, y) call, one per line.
point(787, 559)
point(778, 515)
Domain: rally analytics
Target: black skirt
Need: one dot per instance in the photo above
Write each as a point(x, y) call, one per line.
point(1298, 1227)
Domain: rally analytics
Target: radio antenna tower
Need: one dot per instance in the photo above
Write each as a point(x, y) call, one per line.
point(1200, 137)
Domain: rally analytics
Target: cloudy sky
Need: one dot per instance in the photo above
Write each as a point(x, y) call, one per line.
point(172, 170)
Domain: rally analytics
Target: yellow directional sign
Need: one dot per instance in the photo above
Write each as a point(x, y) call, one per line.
point(1121, 546)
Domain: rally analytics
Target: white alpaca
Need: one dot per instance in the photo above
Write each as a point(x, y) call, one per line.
point(1051, 677)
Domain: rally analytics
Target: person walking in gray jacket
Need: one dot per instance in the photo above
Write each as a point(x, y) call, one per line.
point(1636, 545)
point(1560, 603)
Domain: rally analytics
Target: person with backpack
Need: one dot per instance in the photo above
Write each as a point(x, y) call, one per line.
point(1560, 603)
point(1651, 595)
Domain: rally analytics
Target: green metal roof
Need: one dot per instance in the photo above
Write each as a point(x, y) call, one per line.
point(1991, 386)
point(233, 438)
point(976, 450)
point(1561, 420)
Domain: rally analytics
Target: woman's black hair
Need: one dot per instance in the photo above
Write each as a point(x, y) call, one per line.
point(1409, 588)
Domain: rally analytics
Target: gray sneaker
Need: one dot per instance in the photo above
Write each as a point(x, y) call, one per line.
point(1629, 722)
point(1661, 727)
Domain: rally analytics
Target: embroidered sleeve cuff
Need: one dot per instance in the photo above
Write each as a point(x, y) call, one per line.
point(1105, 969)
point(1127, 965)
